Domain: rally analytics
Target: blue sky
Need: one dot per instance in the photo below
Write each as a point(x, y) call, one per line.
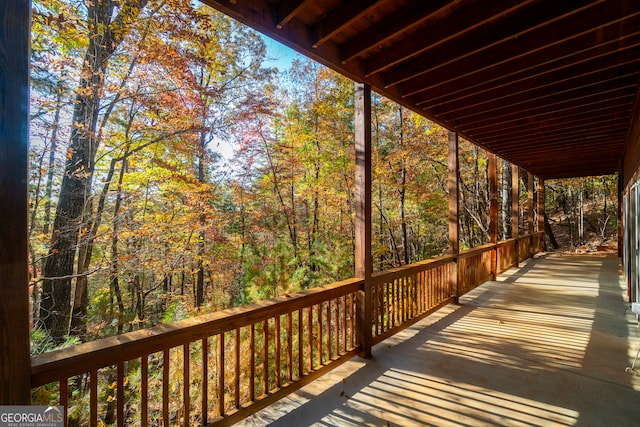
point(281, 56)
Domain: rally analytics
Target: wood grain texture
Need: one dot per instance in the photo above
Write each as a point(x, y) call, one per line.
point(14, 122)
point(363, 260)
point(515, 207)
point(454, 201)
point(493, 211)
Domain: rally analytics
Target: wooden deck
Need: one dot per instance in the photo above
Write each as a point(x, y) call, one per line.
point(546, 344)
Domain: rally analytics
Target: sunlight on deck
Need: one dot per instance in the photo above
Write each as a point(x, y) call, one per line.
point(546, 344)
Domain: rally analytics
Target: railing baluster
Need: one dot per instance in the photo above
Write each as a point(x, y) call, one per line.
point(320, 333)
point(186, 383)
point(165, 386)
point(336, 327)
point(277, 352)
point(265, 357)
point(310, 339)
point(387, 309)
point(93, 398)
point(376, 309)
point(344, 323)
point(411, 298)
point(441, 280)
point(300, 345)
point(120, 395)
point(237, 370)
point(390, 307)
point(289, 347)
point(252, 362)
point(395, 304)
point(423, 288)
point(221, 405)
point(401, 287)
point(433, 279)
point(64, 397)
point(144, 391)
point(205, 381)
point(416, 293)
point(351, 321)
point(405, 298)
point(398, 299)
point(329, 331)
point(221, 359)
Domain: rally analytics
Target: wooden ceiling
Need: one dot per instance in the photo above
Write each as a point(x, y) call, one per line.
point(549, 85)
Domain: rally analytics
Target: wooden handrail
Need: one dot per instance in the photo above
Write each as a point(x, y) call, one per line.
point(407, 270)
point(476, 251)
point(506, 241)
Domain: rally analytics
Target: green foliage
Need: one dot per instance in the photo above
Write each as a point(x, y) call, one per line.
point(41, 342)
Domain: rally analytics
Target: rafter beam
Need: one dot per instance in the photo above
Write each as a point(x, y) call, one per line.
point(415, 13)
point(287, 10)
point(491, 69)
point(469, 19)
point(505, 21)
point(338, 19)
point(595, 75)
point(572, 40)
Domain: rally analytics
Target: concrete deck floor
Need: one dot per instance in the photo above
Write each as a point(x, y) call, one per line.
point(547, 344)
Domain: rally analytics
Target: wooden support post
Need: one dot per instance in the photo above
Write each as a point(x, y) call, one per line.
point(620, 213)
point(452, 185)
point(493, 213)
point(363, 260)
point(531, 204)
point(541, 212)
point(515, 209)
point(15, 362)
point(530, 217)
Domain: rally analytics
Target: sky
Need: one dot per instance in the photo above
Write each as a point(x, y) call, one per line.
point(280, 55)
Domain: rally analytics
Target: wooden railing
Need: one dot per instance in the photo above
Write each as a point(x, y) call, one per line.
point(404, 295)
point(524, 246)
point(474, 267)
point(214, 368)
point(506, 254)
point(220, 368)
point(538, 243)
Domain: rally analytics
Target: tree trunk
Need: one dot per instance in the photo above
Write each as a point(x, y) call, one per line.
point(549, 232)
point(52, 157)
point(114, 274)
point(107, 34)
point(199, 294)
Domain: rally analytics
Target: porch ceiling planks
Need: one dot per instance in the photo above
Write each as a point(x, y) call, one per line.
point(549, 85)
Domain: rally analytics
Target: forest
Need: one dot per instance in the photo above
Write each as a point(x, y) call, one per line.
point(175, 172)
